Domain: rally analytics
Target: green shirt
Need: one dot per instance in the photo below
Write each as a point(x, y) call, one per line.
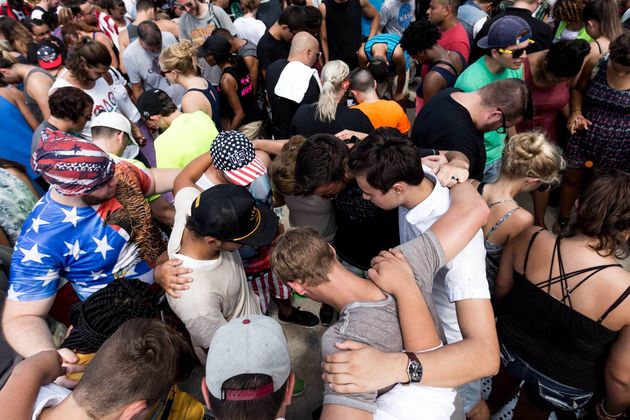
point(476, 76)
point(188, 137)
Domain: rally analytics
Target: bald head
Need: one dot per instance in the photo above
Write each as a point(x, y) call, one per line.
point(303, 41)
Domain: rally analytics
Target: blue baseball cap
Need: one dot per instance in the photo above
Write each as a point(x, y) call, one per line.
point(506, 31)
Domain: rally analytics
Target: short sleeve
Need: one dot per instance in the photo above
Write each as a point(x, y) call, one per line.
point(142, 176)
point(424, 255)
point(403, 122)
point(466, 273)
point(34, 269)
point(132, 66)
point(363, 122)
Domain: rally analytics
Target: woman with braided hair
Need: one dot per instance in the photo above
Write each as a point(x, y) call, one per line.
point(568, 16)
point(330, 115)
point(179, 65)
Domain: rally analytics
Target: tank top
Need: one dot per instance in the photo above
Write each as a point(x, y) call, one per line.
point(391, 41)
point(246, 95)
point(548, 334)
point(212, 96)
point(31, 104)
point(132, 32)
point(343, 26)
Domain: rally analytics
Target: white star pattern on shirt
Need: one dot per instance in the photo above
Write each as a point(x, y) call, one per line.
point(74, 250)
point(71, 216)
point(102, 246)
point(33, 254)
point(37, 222)
point(49, 277)
point(13, 295)
point(97, 274)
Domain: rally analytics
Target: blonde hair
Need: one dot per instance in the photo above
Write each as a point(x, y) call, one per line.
point(302, 255)
point(531, 155)
point(181, 57)
point(282, 168)
point(334, 74)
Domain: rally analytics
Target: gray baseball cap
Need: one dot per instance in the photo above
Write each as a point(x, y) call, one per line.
point(252, 344)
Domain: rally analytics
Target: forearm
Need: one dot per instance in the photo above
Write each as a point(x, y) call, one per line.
point(163, 180)
point(418, 329)
point(456, 158)
point(376, 19)
point(273, 147)
point(238, 118)
point(19, 394)
point(617, 393)
point(575, 103)
point(136, 91)
point(28, 335)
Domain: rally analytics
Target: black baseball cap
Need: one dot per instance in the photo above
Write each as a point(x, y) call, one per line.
point(215, 45)
point(230, 213)
point(151, 102)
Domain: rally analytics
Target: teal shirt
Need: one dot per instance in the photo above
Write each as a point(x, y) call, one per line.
point(476, 76)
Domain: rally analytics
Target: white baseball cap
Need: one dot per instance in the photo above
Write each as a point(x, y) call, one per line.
point(252, 344)
point(118, 121)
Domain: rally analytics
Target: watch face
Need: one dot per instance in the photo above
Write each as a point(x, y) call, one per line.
point(415, 371)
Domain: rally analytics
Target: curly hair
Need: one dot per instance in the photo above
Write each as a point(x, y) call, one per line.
point(419, 36)
point(181, 57)
point(69, 103)
point(603, 213)
point(565, 57)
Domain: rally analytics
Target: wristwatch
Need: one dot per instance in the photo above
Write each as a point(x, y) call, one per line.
point(414, 368)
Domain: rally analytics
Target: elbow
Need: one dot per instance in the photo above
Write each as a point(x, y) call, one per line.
point(617, 384)
point(491, 359)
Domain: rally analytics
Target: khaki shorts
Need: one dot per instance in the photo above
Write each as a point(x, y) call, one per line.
point(251, 130)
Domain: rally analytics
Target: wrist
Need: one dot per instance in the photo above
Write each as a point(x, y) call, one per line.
point(575, 111)
point(614, 412)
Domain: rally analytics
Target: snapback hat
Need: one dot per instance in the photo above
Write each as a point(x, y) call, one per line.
point(151, 102)
point(214, 45)
point(118, 121)
point(252, 344)
point(49, 56)
point(233, 153)
point(230, 213)
point(506, 31)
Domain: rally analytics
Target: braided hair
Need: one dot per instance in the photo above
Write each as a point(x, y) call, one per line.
point(99, 316)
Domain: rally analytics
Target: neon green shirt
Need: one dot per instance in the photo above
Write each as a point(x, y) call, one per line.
point(476, 76)
point(188, 137)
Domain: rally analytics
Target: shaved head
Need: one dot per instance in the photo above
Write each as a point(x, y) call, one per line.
point(301, 42)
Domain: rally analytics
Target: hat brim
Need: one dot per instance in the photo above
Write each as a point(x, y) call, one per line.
point(266, 230)
point(483, 43)
point(48, 65)
point(202, 53)
point(247, 174)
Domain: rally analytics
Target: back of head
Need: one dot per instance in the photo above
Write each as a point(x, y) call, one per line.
point(511, 96)
point(7, 60)
point(386, 157)
point(334, 73)
point(181, 57)
point(139, 362)
point(620, 49)
point(301, 42)
point(531, 155)
point(606, 14)
point(144, 5)
point(319, 161)
point(155, 102)
point(379, 69)
point(313, 19)
point(150, 35)
point(361, 80)
point(248, 369)
point(71, 30)
point(420, 35)
point(604, 213)
point(569, 11)
point(69, 103)
point(224, 33)
point(294, 17)
point(302, 255)
point(87, 52)
point(565, 57)
point(282, 168)
point(250, 5)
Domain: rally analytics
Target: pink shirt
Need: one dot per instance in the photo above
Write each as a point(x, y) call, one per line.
point(455, 39)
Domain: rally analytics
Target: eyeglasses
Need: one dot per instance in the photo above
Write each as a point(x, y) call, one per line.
point(516, 53)
point(186, 6)
point(503, 128)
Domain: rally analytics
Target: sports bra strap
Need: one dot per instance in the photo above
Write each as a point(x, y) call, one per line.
point(446, 63)
point(480, 187)
point(529, 247)
point(616, 303)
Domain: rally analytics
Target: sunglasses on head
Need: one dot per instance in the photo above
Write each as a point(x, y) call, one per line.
point(515, 53)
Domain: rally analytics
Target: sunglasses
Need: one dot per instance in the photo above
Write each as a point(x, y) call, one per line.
point(516, 53)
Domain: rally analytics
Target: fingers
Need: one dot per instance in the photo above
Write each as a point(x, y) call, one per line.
point(172, 293)
point(348, 345)
point(338, 379)
point(67, 356)
point(345, 389)
point(65, 382)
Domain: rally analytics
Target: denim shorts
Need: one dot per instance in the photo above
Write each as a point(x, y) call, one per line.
point(540, 386)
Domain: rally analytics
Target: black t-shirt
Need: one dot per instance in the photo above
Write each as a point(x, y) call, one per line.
point(306, 123)
point(444, 124)
point(270, 49)
point(282, 109)
point(343, 26)
point(363, 230)
point(246, 95)
point(541, 32)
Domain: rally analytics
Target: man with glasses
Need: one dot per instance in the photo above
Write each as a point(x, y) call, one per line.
point(456, 120)
point(141, 59)
point(201, 19)
point(505, 46)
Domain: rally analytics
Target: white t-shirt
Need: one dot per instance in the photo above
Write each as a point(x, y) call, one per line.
point(250, 28)
point(416, 401)
point(50, 395)
point(461, 278)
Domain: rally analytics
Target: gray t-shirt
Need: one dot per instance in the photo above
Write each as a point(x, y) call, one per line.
point(144, 67)
point(396, 15)
point(376, 323)
point(197, 29)
point(248, 50)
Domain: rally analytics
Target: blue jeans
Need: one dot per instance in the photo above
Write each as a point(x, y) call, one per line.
point(538, 385)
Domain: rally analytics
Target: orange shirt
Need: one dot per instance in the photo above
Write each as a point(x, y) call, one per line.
point(386, 113)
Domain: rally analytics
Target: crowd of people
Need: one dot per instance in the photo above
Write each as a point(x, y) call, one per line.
point(173, 173)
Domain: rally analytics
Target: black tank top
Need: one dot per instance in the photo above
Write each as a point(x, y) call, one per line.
point(343, 26)
point(246, 94)
point(212, 96)
point(549, 335)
